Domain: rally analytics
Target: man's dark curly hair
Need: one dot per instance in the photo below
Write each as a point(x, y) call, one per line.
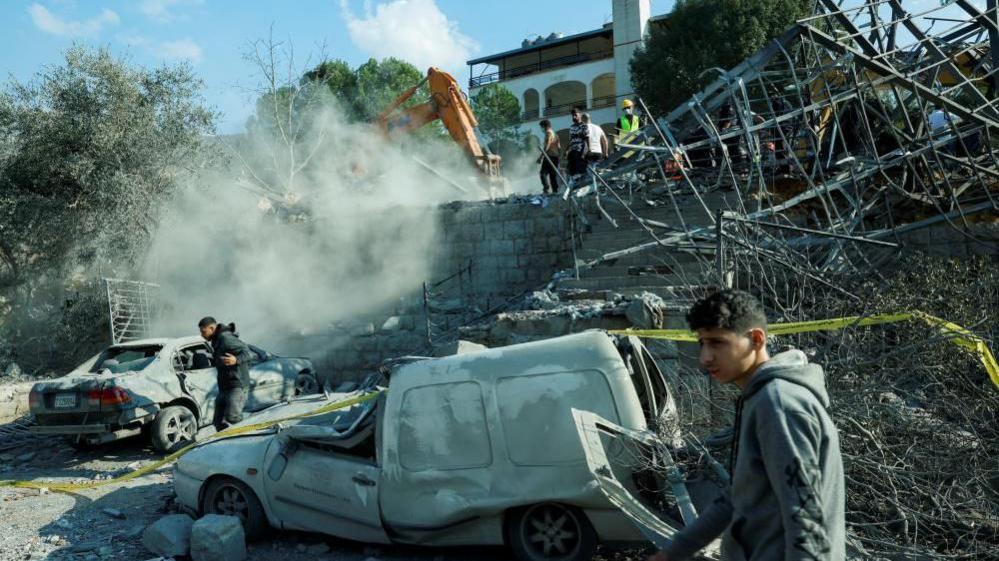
point(734, 310)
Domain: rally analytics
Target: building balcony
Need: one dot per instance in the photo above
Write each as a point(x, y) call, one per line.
point(541, 66)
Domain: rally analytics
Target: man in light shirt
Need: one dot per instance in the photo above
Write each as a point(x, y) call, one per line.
point(598, 148)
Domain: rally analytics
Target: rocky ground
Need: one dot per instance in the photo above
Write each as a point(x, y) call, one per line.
point(106, 523)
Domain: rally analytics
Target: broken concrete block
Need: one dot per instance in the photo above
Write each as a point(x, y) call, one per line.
point(218, 538)
point(646, 311)
point(169, 536)
point(392, 324)
point(114, 513)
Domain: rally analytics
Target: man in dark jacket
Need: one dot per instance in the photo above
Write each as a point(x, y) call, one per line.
point(787, 498)
point(232, 360)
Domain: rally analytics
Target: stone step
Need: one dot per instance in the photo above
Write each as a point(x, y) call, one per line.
point(652, 256)
point(639, 271)
point(618, 283)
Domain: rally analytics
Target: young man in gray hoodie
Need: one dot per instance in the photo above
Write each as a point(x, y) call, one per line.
point(787, 498)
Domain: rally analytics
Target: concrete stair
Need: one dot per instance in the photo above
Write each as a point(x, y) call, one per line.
point(665, 272)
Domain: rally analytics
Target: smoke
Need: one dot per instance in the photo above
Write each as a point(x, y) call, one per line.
point(361, 233)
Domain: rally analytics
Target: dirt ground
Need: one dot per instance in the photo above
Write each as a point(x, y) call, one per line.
point(106, 523)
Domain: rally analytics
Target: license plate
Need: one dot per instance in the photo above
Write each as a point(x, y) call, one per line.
point(65, 400)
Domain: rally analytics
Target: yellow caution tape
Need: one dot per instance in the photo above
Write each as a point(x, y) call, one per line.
point(957, 334)
point(68, 487)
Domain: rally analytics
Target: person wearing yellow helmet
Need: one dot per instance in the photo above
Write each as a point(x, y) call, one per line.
point(628, 122)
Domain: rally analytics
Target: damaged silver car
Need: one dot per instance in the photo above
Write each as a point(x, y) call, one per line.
point(166, 387)
point(471, 449)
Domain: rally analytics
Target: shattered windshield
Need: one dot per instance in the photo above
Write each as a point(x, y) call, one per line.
point(118, 360)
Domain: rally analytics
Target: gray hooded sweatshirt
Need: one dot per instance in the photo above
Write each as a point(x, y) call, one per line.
point(787, 498)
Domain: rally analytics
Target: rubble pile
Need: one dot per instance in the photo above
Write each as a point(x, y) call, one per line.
point(819, 174)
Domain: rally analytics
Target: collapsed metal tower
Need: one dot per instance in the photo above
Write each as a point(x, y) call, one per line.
point(856, 126)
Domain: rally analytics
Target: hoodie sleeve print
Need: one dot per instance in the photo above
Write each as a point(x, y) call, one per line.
point(789, 444)
point(708, 526)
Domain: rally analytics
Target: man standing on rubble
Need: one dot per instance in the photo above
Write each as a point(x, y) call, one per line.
point(232, 360)
point(598, 147)
point(578, 143)
point(787, 497)
point(628, 122)
point(549, 159)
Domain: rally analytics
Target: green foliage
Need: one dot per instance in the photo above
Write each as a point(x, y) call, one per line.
point(498, 111)
point(88, 152)
point(380, 83)
point(704, 34)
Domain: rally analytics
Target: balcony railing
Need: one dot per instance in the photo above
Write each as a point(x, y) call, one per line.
point(509, 73)
point(565, 108)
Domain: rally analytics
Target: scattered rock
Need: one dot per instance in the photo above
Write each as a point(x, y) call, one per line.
point(646, 311)
point(12, 371)
point(392, 324)
point(218, 538)
point(43, 490)
point(105, 551)
point(317, 549)
point(63, 523)
point(169, 536)
point(114, 513)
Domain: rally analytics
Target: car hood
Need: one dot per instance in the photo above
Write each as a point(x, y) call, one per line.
point(290, 412)
point(239, 452)
point(229, 455)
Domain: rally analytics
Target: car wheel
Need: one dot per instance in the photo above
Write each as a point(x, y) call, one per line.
point(230, 497)
point(306, 384)
point(551, 532)
point(173, 428)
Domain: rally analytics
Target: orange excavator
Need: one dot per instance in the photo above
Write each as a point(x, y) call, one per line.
point(447, 103)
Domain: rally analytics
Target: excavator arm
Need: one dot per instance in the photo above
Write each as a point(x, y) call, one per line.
point(448, 104)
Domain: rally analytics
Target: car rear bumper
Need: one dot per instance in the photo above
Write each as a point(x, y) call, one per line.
point(69, 429)
point(121, 426)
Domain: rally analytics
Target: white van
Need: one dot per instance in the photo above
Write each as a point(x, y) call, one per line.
point(472, 449)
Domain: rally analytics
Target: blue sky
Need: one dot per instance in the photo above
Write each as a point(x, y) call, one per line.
point(214, 34)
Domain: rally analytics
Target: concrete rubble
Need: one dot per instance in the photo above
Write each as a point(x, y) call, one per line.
point(218, 538)
point(169, 536)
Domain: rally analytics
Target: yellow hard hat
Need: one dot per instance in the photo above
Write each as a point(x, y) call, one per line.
point(626, 104)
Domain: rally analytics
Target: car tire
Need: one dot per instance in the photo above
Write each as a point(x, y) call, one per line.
point(173, 428)
point(550, 532)
point(231, 497)
point(306, 384)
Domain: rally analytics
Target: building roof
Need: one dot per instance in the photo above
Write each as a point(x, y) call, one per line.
point(606, 30)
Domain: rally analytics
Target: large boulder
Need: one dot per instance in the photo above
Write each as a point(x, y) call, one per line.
point(218, 538)
point(169, 536)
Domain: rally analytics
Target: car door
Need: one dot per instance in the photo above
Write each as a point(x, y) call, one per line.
point(199, 377)
point(311, 487)
point(266, 382)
